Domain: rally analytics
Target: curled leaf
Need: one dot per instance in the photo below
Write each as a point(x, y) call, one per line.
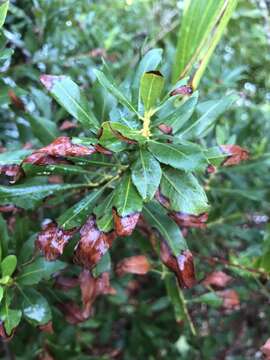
point(230, 299)
point(236, 154)
point(188, 220)
point(182, 265)
point(14, 171)
point(182, 90)
point(217, 279)
point(133, 265)
point(62, 146)
point(52, 240)
point(124, 225)
point(92, 245)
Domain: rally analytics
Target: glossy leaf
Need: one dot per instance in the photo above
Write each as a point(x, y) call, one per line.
point(146, 174)
point(3, 12)
point(126, 198)
point(13, 157)
point(112, 88)
point(109, 140)
point(11, 319)
point(35, 308)
point(156, 216)
point(39, 270)
point(69, 95)
point(103, 213)
point(1, 293)
point(122, 130)
point(45, 130)
point(35, 193)
point(151, 87)
point(78, 213)
point(183, 191)
point(8, 265)
point(183, 157)
point(62, 169)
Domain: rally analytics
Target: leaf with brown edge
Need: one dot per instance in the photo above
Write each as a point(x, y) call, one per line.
point(265, 349)
point(133, 265)
point(47, 328)
point(92, 245)
point(66, 283)
point(38, 158)
point(236, 154)
point(52, 240)
point(182, 265)
point(67, 125)
point(3, 335)
point(230, 299)
point(165, 129)
point(14, 171)
point(182, 90)
point(124, 225)
point(217, 279)
point(188, 220)
point(15, 100)
point(62, 146)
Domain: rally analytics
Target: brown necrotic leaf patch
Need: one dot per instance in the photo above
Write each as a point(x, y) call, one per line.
point(38, 158)
point(182, 90)
point(165, 129)
point(15, 100)
point(217, 279)
point(236, 154)
point(124, 225)
point(182, 265)
point(93, 244)
point(13, 171)
point(52, 240)
point(133, 265)
point(230, 299)
point(188, 220)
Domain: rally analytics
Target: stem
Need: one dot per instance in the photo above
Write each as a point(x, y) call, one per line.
point(187, 315)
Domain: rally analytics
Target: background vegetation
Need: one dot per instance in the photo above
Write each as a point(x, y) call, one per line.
point(141, 321)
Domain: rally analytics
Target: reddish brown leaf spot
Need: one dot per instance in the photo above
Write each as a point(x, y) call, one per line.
point(182, 265)
point(211, 169)
point(67, 125)
point(62, 146)
point(265, 349)
point(236, 154)
point(8, 208)
point(15, 100)
point(230, 299)
point(38, 158)
point(124, 225)
point(92, 245)
point(188, 220)
point(162, 199)
point(14, 171)
point(217, 279)
point(165, 129)
point(3, 335)
point(182, 90)
point(133, 265)
point(102, 150)
point(55, 179)
point(47, 328)
point(52, 240)
point(66, 283)
point(49, 80)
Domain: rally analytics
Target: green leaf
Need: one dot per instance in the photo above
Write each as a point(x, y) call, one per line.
point(150, 61)
point(151, 87)
point(125, 131)
point(103, 213)
point(109, 140)
point(18, 194)
point(44, 130)
point(112, 88)
point(183, 157)
point(8, 265)
point(62, 169)
point(3, 12)
point(4, 236)
point(78, 213)
point(183, 191)
point(104, 265)
point(126, 198)
point(39, 270)
point(210, 115)
point(146, 174)
point(103, 102)
point(173, 294)
point(13, 157)
point(71, 98)
point(35, 308)
point(177, 119)
point(202, 19)
point(1, 293)
point(210, 299)
point(157, 217)
point(11, 319)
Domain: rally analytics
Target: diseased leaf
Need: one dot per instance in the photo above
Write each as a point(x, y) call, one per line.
point(151, 87)
point(158, 219)
point(38, 270)
point(109, 140)
point(217, 279)
point(124, 133)
point(146, 174)
point(35, 308)
point(183, 191)
point(236, 154)
point(184, 157)
point(133, 265)
point(69, 95)
point(13, 157)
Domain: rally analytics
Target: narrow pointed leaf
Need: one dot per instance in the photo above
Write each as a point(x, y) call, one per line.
point(45, 130)
point(3, 12)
